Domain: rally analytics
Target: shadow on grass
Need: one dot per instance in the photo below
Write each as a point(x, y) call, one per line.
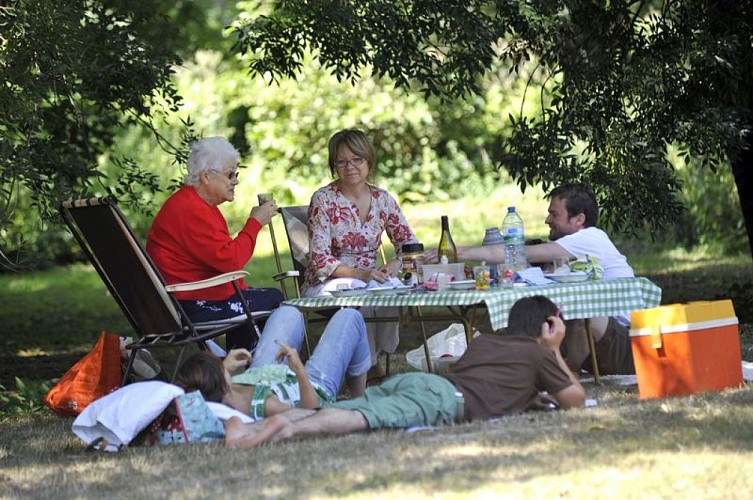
point(693, 441)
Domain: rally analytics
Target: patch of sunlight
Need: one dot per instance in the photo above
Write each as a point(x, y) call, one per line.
point(25, 284)
point(699, 473)
point(469, 218)
point(39, 281)
point(27, 353)
point(469, 450)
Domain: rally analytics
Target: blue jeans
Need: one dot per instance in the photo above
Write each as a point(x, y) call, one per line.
point(342, 351)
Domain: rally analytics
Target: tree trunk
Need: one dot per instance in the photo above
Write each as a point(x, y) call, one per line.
point(742, 168)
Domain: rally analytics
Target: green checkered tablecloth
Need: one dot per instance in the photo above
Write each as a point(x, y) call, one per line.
point(588, 299)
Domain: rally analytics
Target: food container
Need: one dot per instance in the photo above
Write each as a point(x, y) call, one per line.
point(413, 261)
point(455, 270)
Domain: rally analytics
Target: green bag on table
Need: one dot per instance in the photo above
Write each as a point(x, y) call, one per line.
point(590, 265)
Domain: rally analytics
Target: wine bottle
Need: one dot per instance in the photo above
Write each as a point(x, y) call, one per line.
point(446, 245)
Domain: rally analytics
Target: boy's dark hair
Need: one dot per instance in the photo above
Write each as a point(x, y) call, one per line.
point(579, 199)
point(527, 315)
point(203, 371)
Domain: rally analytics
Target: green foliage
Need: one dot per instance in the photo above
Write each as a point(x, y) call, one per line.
point(426, 150)
point(75, 72)
point(27, 398)
point(457, 99)
point(713, 217)
point(617, 81)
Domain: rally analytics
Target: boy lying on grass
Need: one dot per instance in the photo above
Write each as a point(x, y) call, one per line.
point(497, 375)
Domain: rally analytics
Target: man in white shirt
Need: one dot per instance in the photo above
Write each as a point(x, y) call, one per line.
point(573, 214)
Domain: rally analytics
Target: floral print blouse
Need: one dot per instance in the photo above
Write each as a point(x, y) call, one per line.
point(337, 236)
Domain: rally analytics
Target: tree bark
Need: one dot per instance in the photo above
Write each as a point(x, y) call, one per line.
point(742, 168)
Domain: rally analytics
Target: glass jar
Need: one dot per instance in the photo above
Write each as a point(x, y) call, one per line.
point(413, 261)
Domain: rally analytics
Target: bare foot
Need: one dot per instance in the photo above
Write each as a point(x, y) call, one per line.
point(240, 435)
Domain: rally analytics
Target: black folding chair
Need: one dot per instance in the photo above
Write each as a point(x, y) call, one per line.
point(137, 286)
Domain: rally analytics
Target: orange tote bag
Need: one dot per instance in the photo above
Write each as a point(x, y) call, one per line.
point(93, 376)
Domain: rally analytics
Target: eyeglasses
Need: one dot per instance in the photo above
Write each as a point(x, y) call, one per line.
point(356, 161)
point(233, 176)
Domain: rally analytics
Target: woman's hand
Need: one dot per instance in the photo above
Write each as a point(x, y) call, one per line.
point(377, 275)
point(236, 361)
point(392, 267)
point(264, 213)
point(294, 361)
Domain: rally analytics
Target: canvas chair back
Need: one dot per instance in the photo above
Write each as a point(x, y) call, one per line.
point(296, 230)
point(295, 220)
point(135, 282)
point(124, 266)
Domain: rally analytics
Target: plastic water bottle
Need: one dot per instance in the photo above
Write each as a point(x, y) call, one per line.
point(513, 235)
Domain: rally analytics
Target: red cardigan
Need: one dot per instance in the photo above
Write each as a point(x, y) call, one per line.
point(189, 241)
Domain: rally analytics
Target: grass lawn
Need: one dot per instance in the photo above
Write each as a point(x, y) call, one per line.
point(623, 447)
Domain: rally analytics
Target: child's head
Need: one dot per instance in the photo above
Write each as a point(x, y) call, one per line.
point(203, 371)
point(527, 315)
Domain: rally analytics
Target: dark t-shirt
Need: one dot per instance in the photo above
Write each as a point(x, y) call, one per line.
point(499, 375)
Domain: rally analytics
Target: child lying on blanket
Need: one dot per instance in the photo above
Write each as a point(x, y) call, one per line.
point(341, 354)
point(497, 375)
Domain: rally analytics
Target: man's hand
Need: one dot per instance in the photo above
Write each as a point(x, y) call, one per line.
point(552, 333)
point(237, 360)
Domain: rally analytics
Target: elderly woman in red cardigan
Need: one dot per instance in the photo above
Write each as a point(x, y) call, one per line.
point(189, 239)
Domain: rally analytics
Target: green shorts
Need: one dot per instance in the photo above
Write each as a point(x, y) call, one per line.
point(407, 400)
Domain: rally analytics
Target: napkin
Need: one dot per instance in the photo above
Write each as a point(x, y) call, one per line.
point(533, 276)
point(390, 283)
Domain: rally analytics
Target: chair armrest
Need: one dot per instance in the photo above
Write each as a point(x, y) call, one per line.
point(207, 283)
point(286, 275)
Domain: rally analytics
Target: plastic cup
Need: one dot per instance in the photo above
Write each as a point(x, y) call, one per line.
point(482, 275)
point(561, 265)
point(265, 197)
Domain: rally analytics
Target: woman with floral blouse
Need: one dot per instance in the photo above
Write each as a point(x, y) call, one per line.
point(346, 220)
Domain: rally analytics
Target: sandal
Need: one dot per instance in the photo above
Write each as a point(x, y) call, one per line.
point(101, 444)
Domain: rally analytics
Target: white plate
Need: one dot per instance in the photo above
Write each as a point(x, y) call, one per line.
point(353, 292)
point(462, 284)
point(572, 277)
point(389, 291)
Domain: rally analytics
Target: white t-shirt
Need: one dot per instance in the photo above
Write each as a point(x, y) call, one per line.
point(595, 242)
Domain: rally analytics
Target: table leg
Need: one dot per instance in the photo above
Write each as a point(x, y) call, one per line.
point(592, 348)
point(426, 343)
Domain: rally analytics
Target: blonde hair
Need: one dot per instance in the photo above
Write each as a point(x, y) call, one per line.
point(355, 140)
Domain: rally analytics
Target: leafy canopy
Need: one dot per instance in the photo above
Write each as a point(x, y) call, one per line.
point(74, 73)
point(617, 82)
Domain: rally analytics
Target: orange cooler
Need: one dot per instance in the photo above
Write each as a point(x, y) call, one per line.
point(686, 348)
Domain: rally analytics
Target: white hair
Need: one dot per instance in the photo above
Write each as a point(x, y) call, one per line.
point(209, 154)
